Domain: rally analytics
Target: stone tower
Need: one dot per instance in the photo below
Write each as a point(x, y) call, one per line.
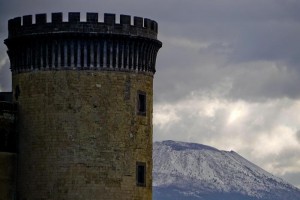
point(84, 91)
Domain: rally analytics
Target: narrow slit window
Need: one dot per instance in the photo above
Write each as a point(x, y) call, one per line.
point(141, 107)
point(141, 174)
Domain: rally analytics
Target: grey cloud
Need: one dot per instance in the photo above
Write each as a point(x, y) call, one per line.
point(293, 178)
point(298, 135)
point(240, 33)
point(271, 40)
point(192, 127)
point(265, 81)
point(5, 76)
point(287, 158)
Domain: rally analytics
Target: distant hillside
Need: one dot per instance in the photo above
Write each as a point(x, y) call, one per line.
point(194, 171)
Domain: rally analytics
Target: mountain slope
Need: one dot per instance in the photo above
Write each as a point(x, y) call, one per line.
point(194, 171)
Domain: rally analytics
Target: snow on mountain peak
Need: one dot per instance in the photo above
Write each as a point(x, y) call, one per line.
point(180, 146)
point(196, 169)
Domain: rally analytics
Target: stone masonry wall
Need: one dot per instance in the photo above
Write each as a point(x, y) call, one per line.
point(80, 135)
point(7, 175)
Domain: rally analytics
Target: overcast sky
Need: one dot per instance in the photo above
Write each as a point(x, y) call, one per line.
point(228, 74)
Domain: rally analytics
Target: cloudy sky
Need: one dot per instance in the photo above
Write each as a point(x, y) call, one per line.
point(228, 74)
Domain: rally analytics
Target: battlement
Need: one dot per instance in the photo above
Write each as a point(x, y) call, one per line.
point(41, 25)
point(82, 45)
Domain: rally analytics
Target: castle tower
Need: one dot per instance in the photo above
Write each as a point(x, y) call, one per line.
point(84, 91)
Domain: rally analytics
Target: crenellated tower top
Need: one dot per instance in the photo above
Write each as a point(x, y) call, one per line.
point(41, 44)
point(25, 25)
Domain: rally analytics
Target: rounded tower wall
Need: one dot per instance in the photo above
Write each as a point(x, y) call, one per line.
point(81, 131)
point(85, 98)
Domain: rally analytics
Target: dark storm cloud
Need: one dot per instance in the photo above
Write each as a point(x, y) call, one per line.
point(238, 32)
point(234, 34)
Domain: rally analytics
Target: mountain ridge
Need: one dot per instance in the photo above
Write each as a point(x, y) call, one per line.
point(196, 171)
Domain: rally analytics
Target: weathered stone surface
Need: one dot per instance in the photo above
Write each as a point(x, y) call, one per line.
point(7, 175)
point(80, 135)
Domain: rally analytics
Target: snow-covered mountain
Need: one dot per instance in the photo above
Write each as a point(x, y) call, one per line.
point(194, 171)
